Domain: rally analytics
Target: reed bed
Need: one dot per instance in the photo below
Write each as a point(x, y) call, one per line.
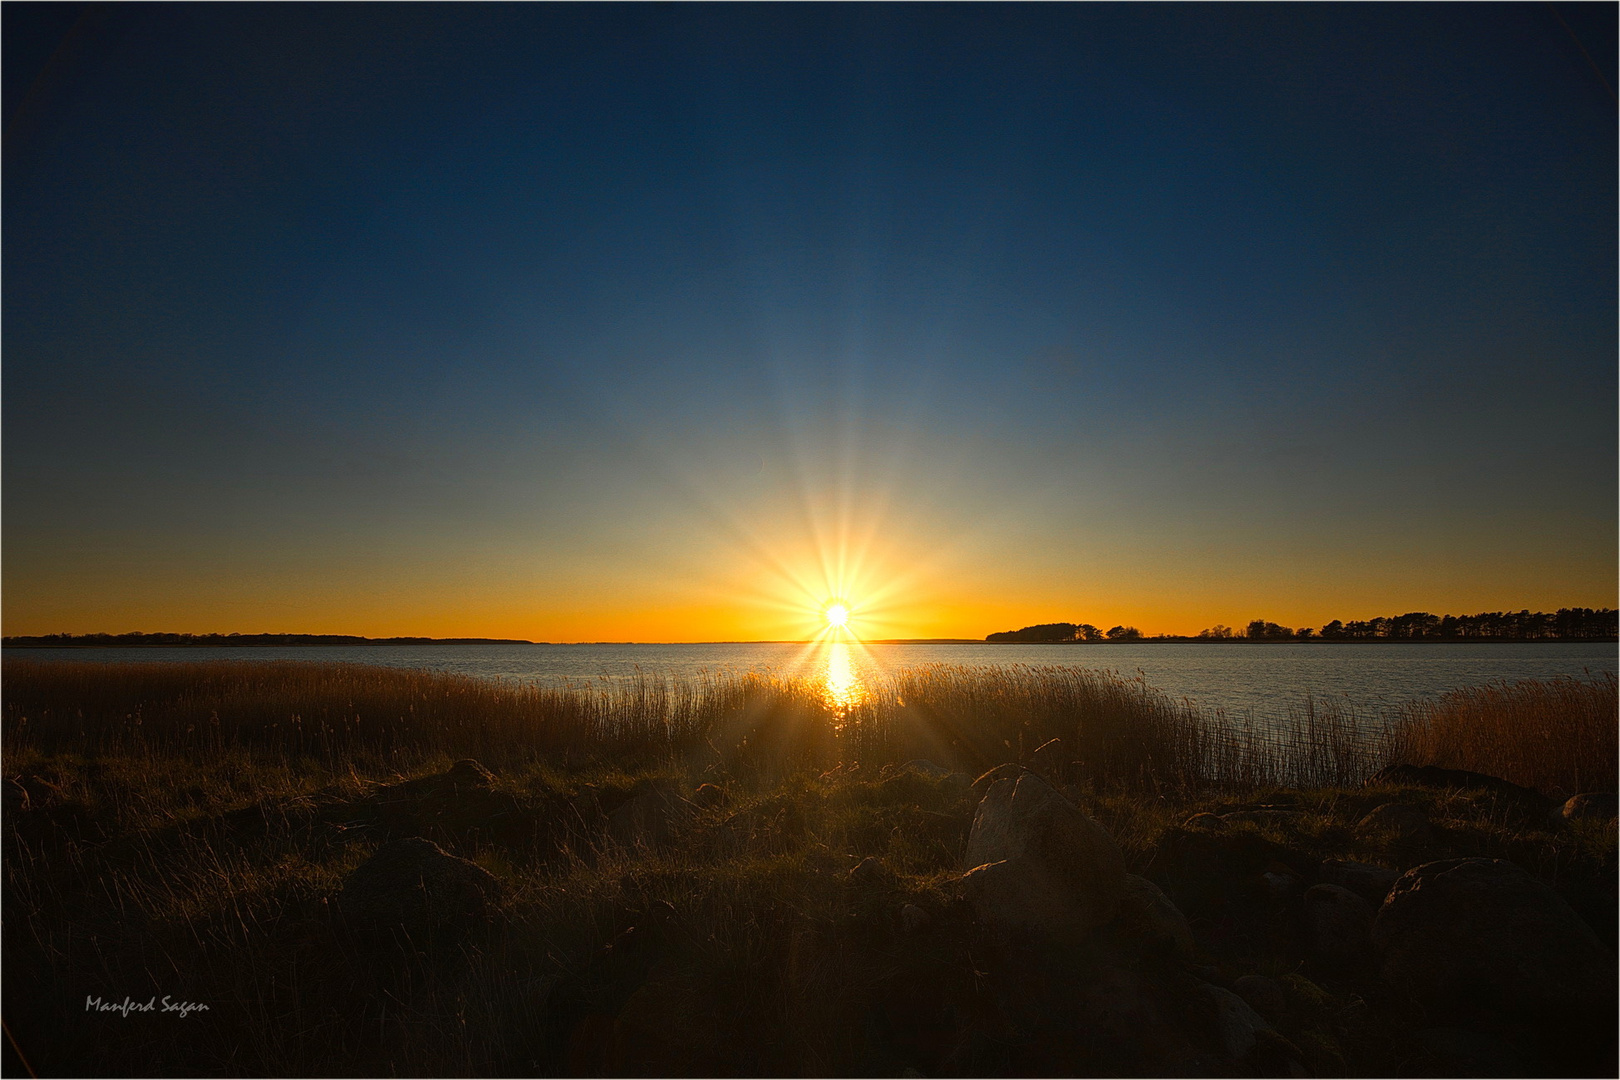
point(336, 713)
point(1556, 735)
point(1086, 725)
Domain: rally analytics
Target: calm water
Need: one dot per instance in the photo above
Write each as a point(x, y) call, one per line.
point(1264, 679)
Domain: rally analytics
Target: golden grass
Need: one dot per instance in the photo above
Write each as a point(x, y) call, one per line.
point(1082, 725)
point(1556, 735)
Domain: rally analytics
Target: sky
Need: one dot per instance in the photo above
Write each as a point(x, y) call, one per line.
point(680, 322)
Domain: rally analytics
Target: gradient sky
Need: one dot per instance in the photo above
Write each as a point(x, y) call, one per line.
point(674, 322)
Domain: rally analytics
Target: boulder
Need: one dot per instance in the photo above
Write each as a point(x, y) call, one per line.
point(1127, 1024)
point(1230, 873)
point(1204, 821)
point(1039, 864)
point(1432, 776)
point(1238, 1025)
point(416, 885)
point(1265, 996)
point(1282, 881)
point(914, 918)
point(467, 773)
point(1371, 883)
point(1593, 805)
point(1482, 944)
point(1406, 821)
point(1338, 926)
point(1145, 912)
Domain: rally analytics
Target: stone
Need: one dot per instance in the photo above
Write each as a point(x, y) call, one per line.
point(1265, 996)
point(1221, 875)
point(1130, 1026)
point(1482, 943)
point(1039, 864)
point(1204, 821)
point(1238, 1025)
point(1590, 805)
point(650, 818)
point(914, 918)
point(1145, 912)
point(1282, 882)
point(469, 774)
point(414, 884)
point(1433, 776)
point(1338, 926)
point(1371, 883)
point(1406, 821)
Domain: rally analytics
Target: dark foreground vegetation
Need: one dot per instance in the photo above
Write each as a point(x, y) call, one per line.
point(365, 871)
point(1565, 624)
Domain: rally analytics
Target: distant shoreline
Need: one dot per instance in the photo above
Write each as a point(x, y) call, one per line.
point(301, 641)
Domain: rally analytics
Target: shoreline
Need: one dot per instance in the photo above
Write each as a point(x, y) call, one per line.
point(29, 644)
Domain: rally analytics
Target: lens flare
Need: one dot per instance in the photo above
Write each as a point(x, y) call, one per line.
point(838, 616)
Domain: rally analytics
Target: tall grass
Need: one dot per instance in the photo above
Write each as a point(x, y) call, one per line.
point(1556, 735)
point(1084, 725)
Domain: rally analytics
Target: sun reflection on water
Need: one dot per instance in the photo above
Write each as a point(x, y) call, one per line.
point(842, 686)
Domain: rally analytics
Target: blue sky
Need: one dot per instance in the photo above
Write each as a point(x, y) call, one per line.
point(674, 322)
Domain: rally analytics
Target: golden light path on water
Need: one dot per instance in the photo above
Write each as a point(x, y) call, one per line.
point(842, 685)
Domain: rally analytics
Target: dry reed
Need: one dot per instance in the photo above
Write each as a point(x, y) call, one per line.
point(1556, 735)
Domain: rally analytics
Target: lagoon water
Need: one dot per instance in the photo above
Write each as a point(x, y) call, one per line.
point(1263, 680)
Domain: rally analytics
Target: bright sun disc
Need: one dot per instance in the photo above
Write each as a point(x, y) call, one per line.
point(837, 615)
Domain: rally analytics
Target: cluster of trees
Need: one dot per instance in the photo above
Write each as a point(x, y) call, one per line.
point(138, 640)
point(1063, 631)
point(1565, 624)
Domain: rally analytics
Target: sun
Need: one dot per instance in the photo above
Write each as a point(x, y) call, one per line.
point(837, 616)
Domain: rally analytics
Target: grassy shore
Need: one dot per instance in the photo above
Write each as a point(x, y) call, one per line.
point(182, 830)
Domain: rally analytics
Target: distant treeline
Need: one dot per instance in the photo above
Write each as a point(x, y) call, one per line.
point(138, 640)
point(1565, 624)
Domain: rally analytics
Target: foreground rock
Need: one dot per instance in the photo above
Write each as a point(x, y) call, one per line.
point(1432, 776)
point(1338, 926)
point(1371, 883)
point(1145, 912)
point(1482, 944)
point(415, 885)
point(468, 774)
point(1038, 864)
point(1590, 805)
point(1265, 995)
